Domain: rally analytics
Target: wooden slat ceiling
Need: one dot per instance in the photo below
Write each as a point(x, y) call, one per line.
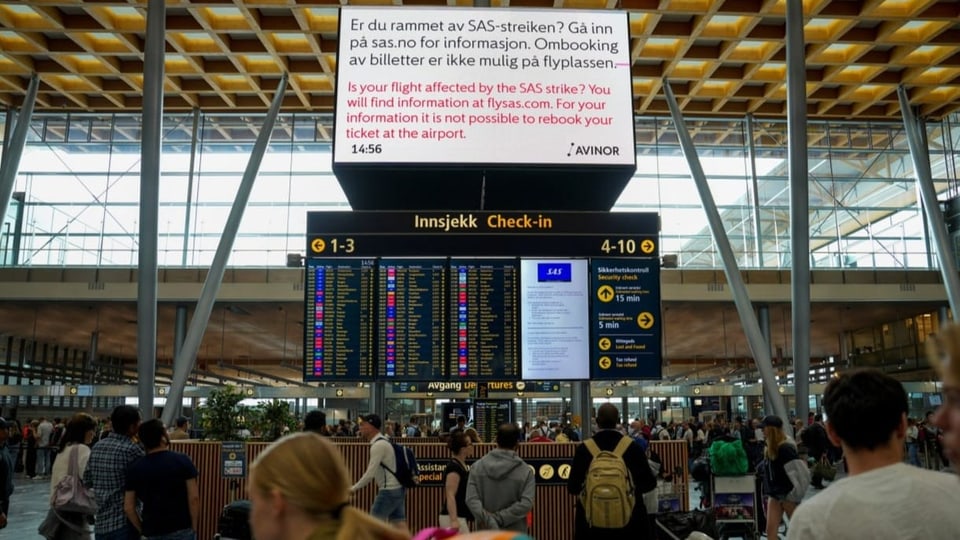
point(727, 57)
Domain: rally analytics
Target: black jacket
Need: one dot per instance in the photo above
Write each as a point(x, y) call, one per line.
point(643, 480)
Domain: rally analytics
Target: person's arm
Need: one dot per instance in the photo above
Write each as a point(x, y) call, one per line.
point(519, 510)
point(193, 501)
point(130, 509)
point(378, 452)
point(643, 476)
point(450, 492)
point(578, 470)
point(475, 503)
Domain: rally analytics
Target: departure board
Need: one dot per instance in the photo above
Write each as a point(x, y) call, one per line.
point(411, 313)
point(483, 331)
point(488, 414)
point(338, 319)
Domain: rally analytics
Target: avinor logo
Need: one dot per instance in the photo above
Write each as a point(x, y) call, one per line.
point(590, 150)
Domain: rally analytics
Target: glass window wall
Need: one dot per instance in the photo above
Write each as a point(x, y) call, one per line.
point(80, 176)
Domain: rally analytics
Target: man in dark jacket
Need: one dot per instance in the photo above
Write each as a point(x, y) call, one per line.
point(607, 438)
point(815, 438)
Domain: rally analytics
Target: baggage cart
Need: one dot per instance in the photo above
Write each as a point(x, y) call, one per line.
point(735, 504)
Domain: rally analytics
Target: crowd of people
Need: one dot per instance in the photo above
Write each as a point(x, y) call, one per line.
point(300, 487)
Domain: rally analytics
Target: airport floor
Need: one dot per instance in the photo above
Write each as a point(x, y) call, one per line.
point(28, 507)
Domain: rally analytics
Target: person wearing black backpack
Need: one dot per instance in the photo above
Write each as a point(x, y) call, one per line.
point(389, 505)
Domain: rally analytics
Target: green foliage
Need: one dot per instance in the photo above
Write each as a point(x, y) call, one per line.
point(222, 414)
point(272, 417)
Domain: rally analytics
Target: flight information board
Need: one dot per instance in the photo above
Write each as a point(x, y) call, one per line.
point(488, 414)
point(411, 319)
point(626, 319)
point(483, 330)
point(339, 319)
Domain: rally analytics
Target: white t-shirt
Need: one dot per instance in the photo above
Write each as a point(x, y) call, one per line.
point(897, 501)
point(381, 451)
point(44, 430)
point(62, 463)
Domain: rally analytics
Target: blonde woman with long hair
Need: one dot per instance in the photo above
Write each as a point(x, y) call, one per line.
point(944, 352)
point(783, 495)
point(299, 488)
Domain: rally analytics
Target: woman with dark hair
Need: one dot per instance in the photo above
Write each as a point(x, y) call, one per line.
point(454, 512)
point(76, 438)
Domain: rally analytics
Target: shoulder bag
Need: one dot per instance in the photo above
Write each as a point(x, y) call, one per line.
point(71, 495)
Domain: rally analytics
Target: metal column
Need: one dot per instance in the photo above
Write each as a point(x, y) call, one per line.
point(149, 205)
point(763, 319)
point(755, 189)
point(799, 204)
point(187, 356)
point(179, 334)
point(581, 403)
point(14, 149)
point(931, 206)
point(943, 317)
point(748, 319)
point(195, 130)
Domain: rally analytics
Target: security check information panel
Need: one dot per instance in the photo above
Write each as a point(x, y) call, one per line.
point(466, 86)
point(626, 319)
point(554, 315)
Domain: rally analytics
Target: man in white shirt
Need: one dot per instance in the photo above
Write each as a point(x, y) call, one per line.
point(44, 430)
point(389, 504)
point(882, 497)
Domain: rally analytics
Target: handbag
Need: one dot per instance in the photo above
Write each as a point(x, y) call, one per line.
point(71, 495)
point(824, 469)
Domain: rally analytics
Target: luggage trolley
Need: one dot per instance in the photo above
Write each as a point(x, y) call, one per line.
point(734, 502)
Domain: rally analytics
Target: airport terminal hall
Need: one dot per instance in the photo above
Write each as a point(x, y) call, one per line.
point(479, 269)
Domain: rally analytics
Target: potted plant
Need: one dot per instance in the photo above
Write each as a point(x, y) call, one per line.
point(221, 415)
point(274, 418)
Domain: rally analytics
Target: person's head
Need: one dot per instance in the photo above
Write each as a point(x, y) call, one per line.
point(370, 426)
point(867, 409)
point(773, 434)
point(818, 418)
point(80, 429)
point(4, 431)
point(945, 356)
point(315, 421)
point(508, 436)
point(182, 423)
point(472, 435)
point(125, 420)
point(461, 421)
point(607, 416)
point(460, 442)
point(300, 482)
point(153, 435)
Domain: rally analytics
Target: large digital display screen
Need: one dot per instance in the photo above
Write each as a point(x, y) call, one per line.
point(493, 86)
point(411, 319)
point(339, 319)
point(484, 331)
point(554, 313)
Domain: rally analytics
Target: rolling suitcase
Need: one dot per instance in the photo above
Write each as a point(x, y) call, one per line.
point(234, 522)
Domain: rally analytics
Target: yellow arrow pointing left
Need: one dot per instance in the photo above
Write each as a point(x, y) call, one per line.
point(318, 245)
